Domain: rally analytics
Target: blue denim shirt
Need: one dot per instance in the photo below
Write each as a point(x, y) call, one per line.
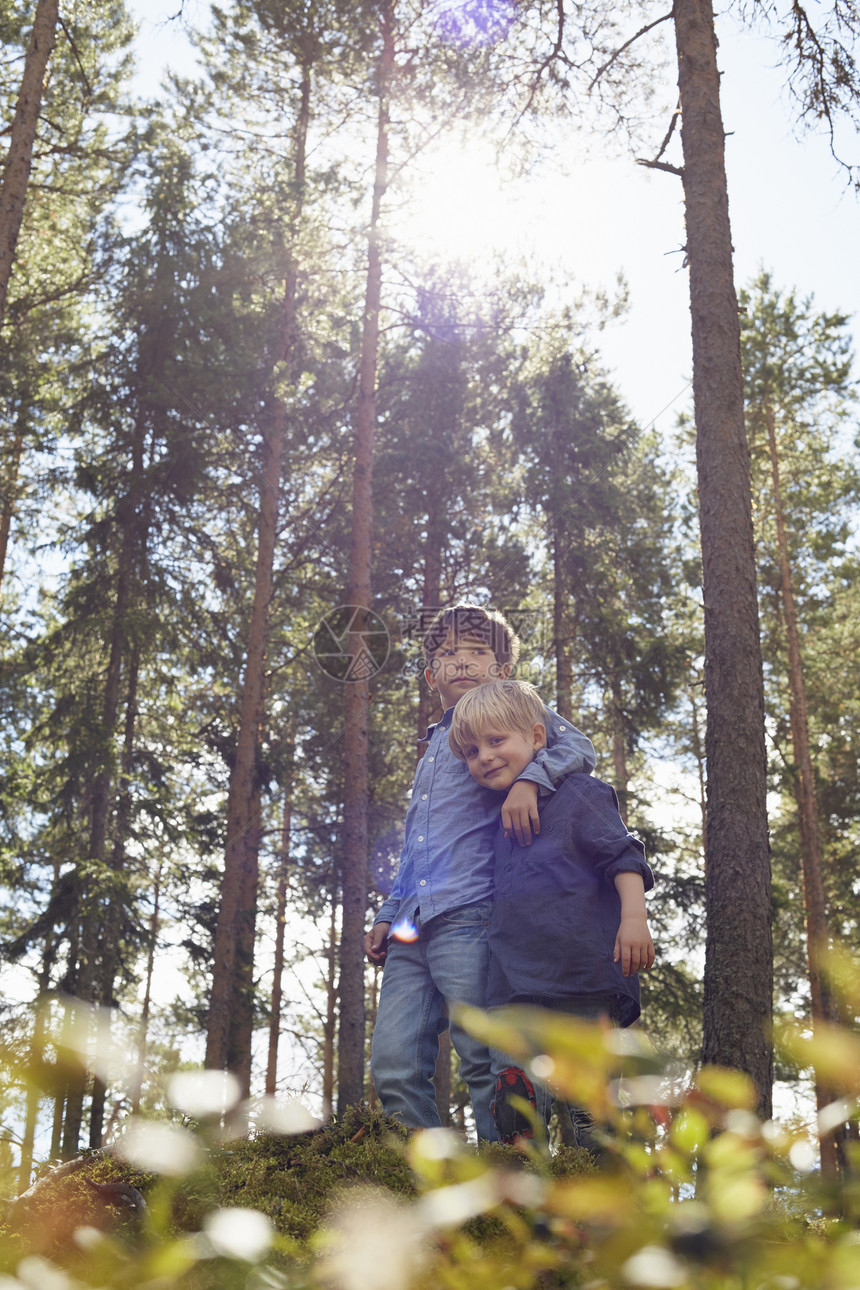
point(447, 858)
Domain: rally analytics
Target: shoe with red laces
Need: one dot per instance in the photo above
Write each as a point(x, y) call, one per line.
point(511, 1122)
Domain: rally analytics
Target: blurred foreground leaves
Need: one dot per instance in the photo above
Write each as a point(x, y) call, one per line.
point(695, 1190)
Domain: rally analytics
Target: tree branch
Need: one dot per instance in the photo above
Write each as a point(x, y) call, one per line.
point(643, 31)
point(70, 38)
point(661, 165)
point(554, 53)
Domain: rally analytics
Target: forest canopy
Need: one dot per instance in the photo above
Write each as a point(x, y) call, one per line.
point(247, 422)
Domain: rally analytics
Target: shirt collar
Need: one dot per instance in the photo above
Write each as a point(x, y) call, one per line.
point(444, 721)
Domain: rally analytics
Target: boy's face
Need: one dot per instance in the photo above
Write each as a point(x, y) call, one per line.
point(462, 664)
point(499, 756)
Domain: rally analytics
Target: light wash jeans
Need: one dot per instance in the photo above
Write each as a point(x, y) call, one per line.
point(447, 964)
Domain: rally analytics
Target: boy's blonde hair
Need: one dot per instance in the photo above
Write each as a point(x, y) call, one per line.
point(506, 705)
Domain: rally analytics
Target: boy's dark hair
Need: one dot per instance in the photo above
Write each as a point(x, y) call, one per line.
point(474, 621)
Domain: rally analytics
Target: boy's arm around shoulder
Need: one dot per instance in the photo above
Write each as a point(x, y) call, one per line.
point(567, 750)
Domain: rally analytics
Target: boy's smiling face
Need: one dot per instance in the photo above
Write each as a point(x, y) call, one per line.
point(461, 664)
point(498, 757)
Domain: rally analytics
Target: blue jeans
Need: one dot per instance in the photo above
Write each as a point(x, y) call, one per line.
point(587, 1007)
point(447, 964)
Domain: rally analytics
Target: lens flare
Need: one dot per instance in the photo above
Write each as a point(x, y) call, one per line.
point(474, 22)
point(405, 930)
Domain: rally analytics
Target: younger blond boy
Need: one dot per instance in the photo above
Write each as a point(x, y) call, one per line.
point(569, 928)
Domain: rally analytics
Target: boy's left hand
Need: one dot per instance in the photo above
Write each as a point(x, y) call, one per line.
point(520, 812)
point(634, 948)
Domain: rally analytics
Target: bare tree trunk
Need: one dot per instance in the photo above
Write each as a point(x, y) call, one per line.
point(57, 1122)
point(9, 485)
point(16, 175)
point(280, 927)
point(814, 898)
point(619, 747)
point(330, 1013)
point(231, 1000)
point(372, 1098)
point(429, 707)
point(698, 748)
point(37, 1055)
point(562, 629)
point(739, 952)
point(64, 1139)
point(351, 1056)
point(137, 1088)
point(111, 930)
point(100, 914)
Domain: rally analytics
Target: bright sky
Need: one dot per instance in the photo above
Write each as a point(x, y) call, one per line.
point(789, 205)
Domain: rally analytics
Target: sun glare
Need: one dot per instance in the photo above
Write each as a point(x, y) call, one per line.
point(458, 205)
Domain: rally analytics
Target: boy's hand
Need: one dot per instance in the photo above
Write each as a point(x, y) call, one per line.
point(520, 812)
point(375, 943)
point(634, 948)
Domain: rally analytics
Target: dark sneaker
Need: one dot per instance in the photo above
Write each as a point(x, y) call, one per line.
point(511, 1120)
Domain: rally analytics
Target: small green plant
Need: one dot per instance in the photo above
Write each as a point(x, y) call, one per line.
point(694, 1190)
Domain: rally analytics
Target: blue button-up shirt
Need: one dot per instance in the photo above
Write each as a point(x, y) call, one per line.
point(447, 858)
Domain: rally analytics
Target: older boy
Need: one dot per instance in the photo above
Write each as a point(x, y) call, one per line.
point(431, 932)
point(569, 929)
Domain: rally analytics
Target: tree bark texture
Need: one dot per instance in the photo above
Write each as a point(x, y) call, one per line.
point(230, 1021)
point(9, 485)
point(562, 628)
point(16, 174)
point(330, 1024)
point(280, 928)
point(738, 955)
point(429, 707)
point(814, 897)
point(143, 1032)
point(351, 1056)
point(619, 746)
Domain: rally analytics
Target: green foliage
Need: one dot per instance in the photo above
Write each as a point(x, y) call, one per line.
point(694, 1191)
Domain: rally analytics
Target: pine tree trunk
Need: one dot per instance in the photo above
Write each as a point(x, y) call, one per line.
point(814, 898)
point(429, 707)
point(372, 1099)
point(330, 1026)
point(562, 630)
point(100, 913)
point(280, 929)
point(16, 175)
point(143, 1033)
point(9, 486)
point(111, 931)
point(697, 745)
point(231, 1002)
point(68, 1109)
point(37, 1055)
point(739, 954)
point(619, 747)
point(351, 1057)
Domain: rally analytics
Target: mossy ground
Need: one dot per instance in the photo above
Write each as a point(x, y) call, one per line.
point(295, 1181)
